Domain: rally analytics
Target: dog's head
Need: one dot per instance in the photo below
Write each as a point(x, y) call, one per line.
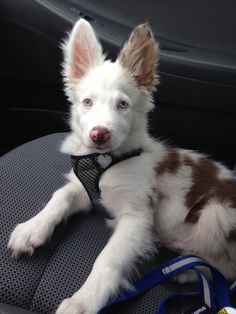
point(109, 99)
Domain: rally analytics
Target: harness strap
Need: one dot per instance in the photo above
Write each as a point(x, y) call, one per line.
point(90, 168)
point(232, 288)
point(173, 267)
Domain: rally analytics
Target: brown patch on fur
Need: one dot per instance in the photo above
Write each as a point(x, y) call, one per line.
point(152, 198)
point(170, 164)
point(195, 211)
point(161, 196)
point(151, 202)
point(206, 185)
point(140, 55)
point(227, 191)
point(231, 237)
point(204, 180)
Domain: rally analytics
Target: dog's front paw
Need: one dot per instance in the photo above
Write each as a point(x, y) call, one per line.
point(75, 305)
point(26, 237)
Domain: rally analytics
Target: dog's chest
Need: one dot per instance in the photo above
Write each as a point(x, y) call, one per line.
point(125, 187)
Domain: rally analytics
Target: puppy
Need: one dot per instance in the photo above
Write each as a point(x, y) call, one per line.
point(189, 200)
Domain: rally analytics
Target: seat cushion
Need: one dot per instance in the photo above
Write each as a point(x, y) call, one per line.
point(29, 175)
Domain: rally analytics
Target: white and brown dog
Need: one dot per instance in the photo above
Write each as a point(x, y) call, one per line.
point(189, 200)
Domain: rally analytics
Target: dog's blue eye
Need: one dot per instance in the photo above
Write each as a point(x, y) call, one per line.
point(87, 102)
point(123, 104)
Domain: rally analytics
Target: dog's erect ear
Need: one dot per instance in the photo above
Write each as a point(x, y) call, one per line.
point(140, 56)
point(82, 51)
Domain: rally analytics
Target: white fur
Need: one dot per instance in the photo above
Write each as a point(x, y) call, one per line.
point(127, 187)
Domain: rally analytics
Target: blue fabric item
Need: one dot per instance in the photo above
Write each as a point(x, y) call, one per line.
point(233, 288)
point(162, 309)
point(171, 268)
point(206, 290)
point(206, 295)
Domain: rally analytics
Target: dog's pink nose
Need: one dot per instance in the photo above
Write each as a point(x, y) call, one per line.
point(100, 135)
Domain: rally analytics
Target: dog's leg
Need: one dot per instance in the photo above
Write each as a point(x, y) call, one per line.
point(28, 236)
point(131, 239)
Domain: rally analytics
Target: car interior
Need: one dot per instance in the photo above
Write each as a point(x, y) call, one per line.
point(195, 109)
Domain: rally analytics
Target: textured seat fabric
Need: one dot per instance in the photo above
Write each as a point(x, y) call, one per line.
point(11, 309)
point(28, 176)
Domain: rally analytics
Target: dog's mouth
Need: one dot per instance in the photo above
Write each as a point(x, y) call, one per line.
point(101, 148)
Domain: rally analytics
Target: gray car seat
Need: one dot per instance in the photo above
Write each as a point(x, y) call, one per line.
point(29, 175)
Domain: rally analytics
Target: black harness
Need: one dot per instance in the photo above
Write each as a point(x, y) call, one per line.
point(89, 168)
